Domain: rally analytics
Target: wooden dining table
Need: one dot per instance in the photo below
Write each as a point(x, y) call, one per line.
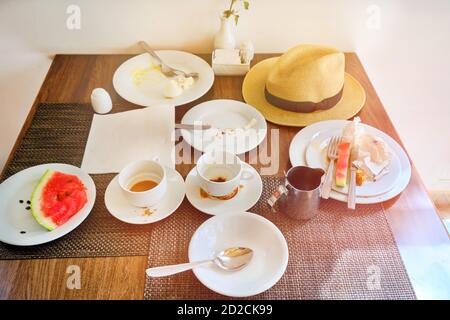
point(420, 235)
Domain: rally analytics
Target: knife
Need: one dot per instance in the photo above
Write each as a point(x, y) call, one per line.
point(192, 126)
point(351, 198)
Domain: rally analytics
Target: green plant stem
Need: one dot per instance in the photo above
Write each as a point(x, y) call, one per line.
point(231, 5)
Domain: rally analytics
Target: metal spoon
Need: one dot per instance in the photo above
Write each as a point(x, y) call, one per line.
point(231, 259)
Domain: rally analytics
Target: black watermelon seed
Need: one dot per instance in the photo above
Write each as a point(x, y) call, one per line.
point(28, 208)
point(20, 201)
point(22, 232)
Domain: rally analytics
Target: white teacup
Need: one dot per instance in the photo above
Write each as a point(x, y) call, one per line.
point(142, 170)
point(220, 173)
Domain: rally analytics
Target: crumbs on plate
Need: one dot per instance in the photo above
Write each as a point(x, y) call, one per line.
point(148, 212)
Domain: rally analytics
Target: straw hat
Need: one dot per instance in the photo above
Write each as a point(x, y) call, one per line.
point(306, 84)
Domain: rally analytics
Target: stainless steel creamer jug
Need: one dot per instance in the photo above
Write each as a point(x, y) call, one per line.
point(299, 196)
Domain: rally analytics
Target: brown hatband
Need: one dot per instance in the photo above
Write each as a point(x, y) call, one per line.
point(303, 106)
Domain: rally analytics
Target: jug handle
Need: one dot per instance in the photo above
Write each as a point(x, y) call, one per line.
point(322, 179)
point(280, 191)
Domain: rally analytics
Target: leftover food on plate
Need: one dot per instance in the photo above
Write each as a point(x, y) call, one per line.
point(216, 134)
point(342, 164)
point(174, 87)
point(177, 86)
point(373, 158)
point(142, 74)
point(56, 198)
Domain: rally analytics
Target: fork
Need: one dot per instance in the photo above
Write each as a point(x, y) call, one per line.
point(165, 69)
point(332, 154)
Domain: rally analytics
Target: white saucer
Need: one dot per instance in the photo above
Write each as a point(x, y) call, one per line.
point(299, 144)
point(248, 195)
point(240, 229)
point(225, 114)
point(17, 225)
point(118, 206)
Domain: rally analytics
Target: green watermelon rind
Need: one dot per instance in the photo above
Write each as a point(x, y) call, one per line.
point(35, 205)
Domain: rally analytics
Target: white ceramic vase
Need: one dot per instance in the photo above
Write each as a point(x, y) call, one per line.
point(224, 39)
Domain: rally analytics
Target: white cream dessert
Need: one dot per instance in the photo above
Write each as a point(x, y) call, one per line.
point(185, 83)
point(175, 87)
point(172, 89)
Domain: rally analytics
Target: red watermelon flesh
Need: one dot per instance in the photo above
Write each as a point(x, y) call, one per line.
point(342, 164)
point(57, 197)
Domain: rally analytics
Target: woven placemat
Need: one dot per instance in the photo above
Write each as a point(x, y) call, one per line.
point(336, 255)
point(58, 133)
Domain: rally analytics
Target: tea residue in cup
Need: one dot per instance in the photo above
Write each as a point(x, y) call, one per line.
point(143, 185)
point(218, 179)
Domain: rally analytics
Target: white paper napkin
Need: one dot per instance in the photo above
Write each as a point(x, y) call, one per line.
point(227, 56)
point(118, 139)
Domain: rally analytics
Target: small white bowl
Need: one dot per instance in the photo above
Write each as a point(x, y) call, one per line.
point(244, 229)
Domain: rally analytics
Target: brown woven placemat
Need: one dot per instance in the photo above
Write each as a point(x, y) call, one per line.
point(58, 133)
point(335, 255)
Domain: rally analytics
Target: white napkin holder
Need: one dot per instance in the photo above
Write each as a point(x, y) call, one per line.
point(229, 62)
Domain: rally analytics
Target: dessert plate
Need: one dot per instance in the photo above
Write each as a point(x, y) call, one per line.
point(240, 229)
point(247, 196)
point(225, 114)
point(316, 158)
point(146, 88)
point(301, 141)
point(119, 207)
point(17, 225)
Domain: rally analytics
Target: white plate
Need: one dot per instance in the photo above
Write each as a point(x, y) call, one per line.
point(118, 206)
point(225, 114)
point(247, 196)
point(14, 218)
point(316, 158)
point(240, 229)
point(299, 144)
point(150, 91)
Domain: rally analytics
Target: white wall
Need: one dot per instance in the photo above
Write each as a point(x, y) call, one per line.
point(405, 58)
point(407, 61)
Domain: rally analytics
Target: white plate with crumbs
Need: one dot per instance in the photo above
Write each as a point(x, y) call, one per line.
point(139, 81)
point(235, 126)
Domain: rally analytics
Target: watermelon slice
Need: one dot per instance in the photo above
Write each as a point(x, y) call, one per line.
point(342, 164)
point(56, 198)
